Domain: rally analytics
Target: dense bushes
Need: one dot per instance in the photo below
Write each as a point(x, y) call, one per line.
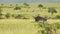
point(57, 17)
point(7, 15)
point(14, 16)
point(18, 16)
point(52, 11)
point(1, 14)
point(26, 4)
point(40, 5)
point(48, 28)
point(17, 8)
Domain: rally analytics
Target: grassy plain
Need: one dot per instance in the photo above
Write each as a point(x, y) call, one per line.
point(21, 26)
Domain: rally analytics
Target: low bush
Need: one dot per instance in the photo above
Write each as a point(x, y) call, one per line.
point(18, 16)
point(7, 15)
point(17, 8)
point(57, 17)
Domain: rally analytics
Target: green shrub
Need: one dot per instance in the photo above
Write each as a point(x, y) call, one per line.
point(40, 5)
point(57, 16)
point(13, 15)
point(17, 8)
point(57, 25)
point(7, 15)
point(1, 13)
point(26, 4)
point(52, 11)
point(18, 16)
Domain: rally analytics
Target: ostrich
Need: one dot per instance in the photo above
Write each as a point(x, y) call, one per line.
point(39, 18)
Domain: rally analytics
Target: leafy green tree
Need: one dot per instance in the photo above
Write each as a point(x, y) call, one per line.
point(17, 8)
point(16, 5)
point(11, 5)
point(26, 5)
point(52, 11)
point(57, 17)
point(40, 5)
point(18, 16)
point(1, 13)
point(2, 4)
point(7, 15)
point(13, 15)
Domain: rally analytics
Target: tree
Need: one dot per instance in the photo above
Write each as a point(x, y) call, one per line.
point(57, 17)
point(18, 16)
point(11, 5)
point(26, 5)
point(1, 13)
point(17, 8)
point(16, 5)
point(7, 15)
point(52, 11)
point(2, 4)
point(40, 5)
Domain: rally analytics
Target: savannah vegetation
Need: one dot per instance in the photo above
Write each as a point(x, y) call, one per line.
point(19, 18)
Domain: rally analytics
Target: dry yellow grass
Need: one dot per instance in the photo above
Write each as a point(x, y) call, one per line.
point(20, 26)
